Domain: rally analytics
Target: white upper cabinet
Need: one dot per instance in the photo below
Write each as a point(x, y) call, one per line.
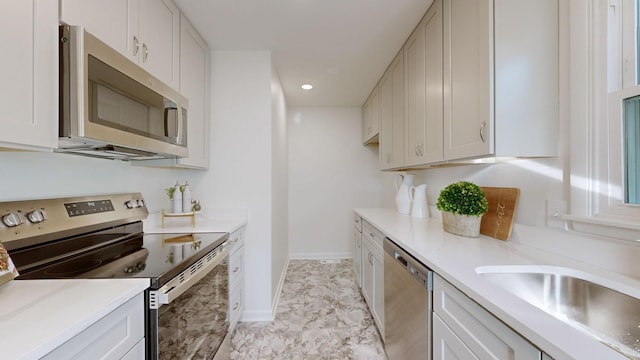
point(146, 31)
point(501, 78)
point(482, 80)
point(159, 30)
point(424, 72)
point(194, 84)
point(371, 118)
point(392, 115)
point(29, 98)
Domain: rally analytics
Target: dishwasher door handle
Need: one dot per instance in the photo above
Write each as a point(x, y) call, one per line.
point(400, 259)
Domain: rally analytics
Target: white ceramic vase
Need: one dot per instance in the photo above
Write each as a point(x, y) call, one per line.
point(403, 198)
point(419, 207)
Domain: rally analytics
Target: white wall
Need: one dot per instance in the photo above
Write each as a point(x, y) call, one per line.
point(330, 173)
point(279, 187)
point(33, 175)
point(538, 180)
point(242, 175)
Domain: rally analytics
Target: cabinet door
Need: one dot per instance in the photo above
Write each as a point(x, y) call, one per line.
point(484, 334)
point(115, 22)
point(111, 337)
point(370, 119)
point(378, 289)
point(357, 256)
point(385, 146)
point(194, 84)
point(414, 55)
point(367, 271)
point(423, 61)
point(432, 149)
point(392, 115)
point(159, 29)
point(446, 345)
point(29, 101)
point(468, 69)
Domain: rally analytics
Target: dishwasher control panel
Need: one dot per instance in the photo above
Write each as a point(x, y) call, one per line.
point(420, 272)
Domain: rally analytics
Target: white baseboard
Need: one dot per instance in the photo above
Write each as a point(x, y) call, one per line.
point(321, 256)
point(276, 299)
point(253, 316)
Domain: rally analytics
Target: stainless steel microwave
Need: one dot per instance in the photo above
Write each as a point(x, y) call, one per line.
point(110, 107)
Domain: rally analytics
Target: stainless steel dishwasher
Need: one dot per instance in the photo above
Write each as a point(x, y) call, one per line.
point(408, 287)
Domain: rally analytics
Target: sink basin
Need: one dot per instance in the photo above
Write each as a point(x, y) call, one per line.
point(575, 298)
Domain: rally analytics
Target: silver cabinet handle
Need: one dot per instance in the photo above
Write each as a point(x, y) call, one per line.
point(235, 306)
point(482, 127)
point(235, 270)
point(145, 52)
point(136, 45)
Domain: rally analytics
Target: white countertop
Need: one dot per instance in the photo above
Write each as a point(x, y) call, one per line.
point(456, 258)
point(37, 316)
point(209, 220)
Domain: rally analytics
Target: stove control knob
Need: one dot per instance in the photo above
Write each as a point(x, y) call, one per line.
point(12, 219)
point(37, 216)
point(130, 204)
point(140, 203)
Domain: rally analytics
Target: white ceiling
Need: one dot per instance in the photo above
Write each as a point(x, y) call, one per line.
point(342, 47)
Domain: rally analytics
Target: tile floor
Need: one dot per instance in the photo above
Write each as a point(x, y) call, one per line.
point(321, 315)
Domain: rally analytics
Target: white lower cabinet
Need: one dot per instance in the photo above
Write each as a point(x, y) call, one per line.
point(236, 277)
point(118, 335)
point(373, 273)
point(137, 352)
point(357, 248)
point(462, 329)
point(446, 345)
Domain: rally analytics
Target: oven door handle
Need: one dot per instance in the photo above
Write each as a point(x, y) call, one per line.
point(169, 292)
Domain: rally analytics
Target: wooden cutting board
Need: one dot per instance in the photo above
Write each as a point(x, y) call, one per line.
point(498, 220)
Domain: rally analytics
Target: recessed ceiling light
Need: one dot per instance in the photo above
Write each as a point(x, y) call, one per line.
point(306, 86)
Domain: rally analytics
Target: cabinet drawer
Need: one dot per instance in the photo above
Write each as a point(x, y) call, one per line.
point(236, 266)
point(236, 304)
point(372, 233)
point(446, 345)
point(137, 352)
point(108, 338)
point(357, 222)
point(236, 239)
point(484, 334)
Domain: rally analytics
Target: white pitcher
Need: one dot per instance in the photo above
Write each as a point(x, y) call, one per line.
point(419, 207)
point(403, 198)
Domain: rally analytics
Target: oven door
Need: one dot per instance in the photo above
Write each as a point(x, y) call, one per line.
point(188, 316)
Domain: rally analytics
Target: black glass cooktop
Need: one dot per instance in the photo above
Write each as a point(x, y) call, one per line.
point(121, 252)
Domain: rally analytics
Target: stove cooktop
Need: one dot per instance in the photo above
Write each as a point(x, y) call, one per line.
point(156, 256)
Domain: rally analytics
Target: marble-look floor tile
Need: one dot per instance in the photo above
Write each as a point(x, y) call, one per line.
point(321, 316)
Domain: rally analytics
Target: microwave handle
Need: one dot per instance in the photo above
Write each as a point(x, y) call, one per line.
point(171, 123)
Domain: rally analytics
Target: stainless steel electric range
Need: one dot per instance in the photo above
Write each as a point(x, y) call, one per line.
point(101, 237)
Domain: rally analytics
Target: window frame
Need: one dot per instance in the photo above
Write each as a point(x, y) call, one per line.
point(598, 47)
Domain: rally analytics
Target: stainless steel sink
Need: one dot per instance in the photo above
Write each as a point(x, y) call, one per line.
point(609, 315)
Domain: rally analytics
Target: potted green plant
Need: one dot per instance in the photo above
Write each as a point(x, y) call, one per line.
point(462, 204)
